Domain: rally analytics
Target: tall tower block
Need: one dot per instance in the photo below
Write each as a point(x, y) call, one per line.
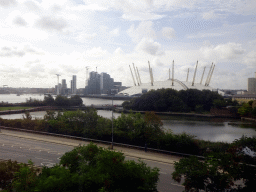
point(252, 85)
point(73, 85)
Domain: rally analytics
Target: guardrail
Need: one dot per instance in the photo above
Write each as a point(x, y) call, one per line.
point(104, 142)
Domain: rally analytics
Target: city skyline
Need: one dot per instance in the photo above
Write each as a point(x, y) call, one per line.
point(42, 38)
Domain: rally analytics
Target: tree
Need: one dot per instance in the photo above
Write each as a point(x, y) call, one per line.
point(61, 101)
point(219, 103)
point(76, 100)
point(25, 180)
point(103, 169)
point(49, 100)
point(154, 126)
point(245, 110)
point(219, 171)
point(7, 171)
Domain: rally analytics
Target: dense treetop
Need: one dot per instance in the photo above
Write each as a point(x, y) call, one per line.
point(175, 101)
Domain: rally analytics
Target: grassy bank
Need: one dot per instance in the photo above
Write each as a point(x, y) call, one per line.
point(13, 108)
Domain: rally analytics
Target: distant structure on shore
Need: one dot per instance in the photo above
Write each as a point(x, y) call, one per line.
point(73, 85)
point(252, 85)
point(248, 95)
point(63, 89)
point(140, 88)
point(102, 84)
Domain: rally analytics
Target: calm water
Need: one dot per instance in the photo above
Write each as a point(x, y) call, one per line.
point(13, 98)
point(214, 129)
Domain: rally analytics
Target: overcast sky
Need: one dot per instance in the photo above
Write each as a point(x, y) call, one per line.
point(39, 38)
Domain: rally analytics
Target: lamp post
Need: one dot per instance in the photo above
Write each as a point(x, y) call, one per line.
point(112, 144)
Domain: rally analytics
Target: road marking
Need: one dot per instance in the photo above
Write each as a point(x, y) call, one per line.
point(43, 159)
point(177, 185)
point(48, 164)
point(163, 173)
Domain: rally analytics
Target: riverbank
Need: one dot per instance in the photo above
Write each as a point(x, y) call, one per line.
point(108, 97)
point(248, 119)
point(179, 114)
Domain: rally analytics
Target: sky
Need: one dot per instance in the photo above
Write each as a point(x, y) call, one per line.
point(42, 38)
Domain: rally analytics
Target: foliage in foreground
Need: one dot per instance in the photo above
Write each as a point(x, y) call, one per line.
point(86, 168)
point(220, 171)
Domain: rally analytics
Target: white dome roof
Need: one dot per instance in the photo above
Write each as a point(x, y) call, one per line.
point(178, 85)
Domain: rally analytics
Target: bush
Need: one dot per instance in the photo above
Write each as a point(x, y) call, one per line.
point(220, 170)
point(7, 171)
point(102, 169)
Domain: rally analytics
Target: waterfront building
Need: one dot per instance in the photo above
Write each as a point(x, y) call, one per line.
point(64, 89)
point(102, 84)
point(93, 86)
point(139, 88)
point(73, 85)
point(244, 98)
point(106, 83)
point(252, 85)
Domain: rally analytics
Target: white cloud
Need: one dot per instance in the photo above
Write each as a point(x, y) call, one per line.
point(118, 51)
point(115, 32)
point(19, 21)
point(207, 35)
point(157, 62)
point(223, 51)
point(51, 23)
point(244, 7)
point(32, 5)
point(13, 51)
point(150, 47)
point(140, 16)
point(96, 52)
point(168, 32)
point(6, 3)
point(250, 59)
point(209, 15)
point(83, 37)
point(144, 30)
point(90, 7)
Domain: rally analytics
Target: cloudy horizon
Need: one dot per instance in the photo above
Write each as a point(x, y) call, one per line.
point(42, 38)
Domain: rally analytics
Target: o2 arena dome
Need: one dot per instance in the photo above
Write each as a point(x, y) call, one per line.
point(140, 88)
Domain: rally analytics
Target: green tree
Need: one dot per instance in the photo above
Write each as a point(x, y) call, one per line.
point(57, 178)
point(25, 180)
point(48, 100)
point(102, 169)
point(61, 101)
point(154, 127)
point(76, 100)
point(245, 110)
point(7, 172)
point(219, 103)
point(210, 175)
point(219, 170)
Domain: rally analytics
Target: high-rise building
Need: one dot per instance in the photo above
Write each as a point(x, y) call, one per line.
point(106, 83)
point(101, 84)
point(252, 85)
point(73, 85)
point(64, 89)
point(63, 84)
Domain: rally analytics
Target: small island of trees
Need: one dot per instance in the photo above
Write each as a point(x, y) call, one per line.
point(170, 100)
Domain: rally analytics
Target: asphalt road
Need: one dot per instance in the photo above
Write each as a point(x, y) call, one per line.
point(48, 154)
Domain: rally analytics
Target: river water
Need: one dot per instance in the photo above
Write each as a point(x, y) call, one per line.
point(212, 129)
